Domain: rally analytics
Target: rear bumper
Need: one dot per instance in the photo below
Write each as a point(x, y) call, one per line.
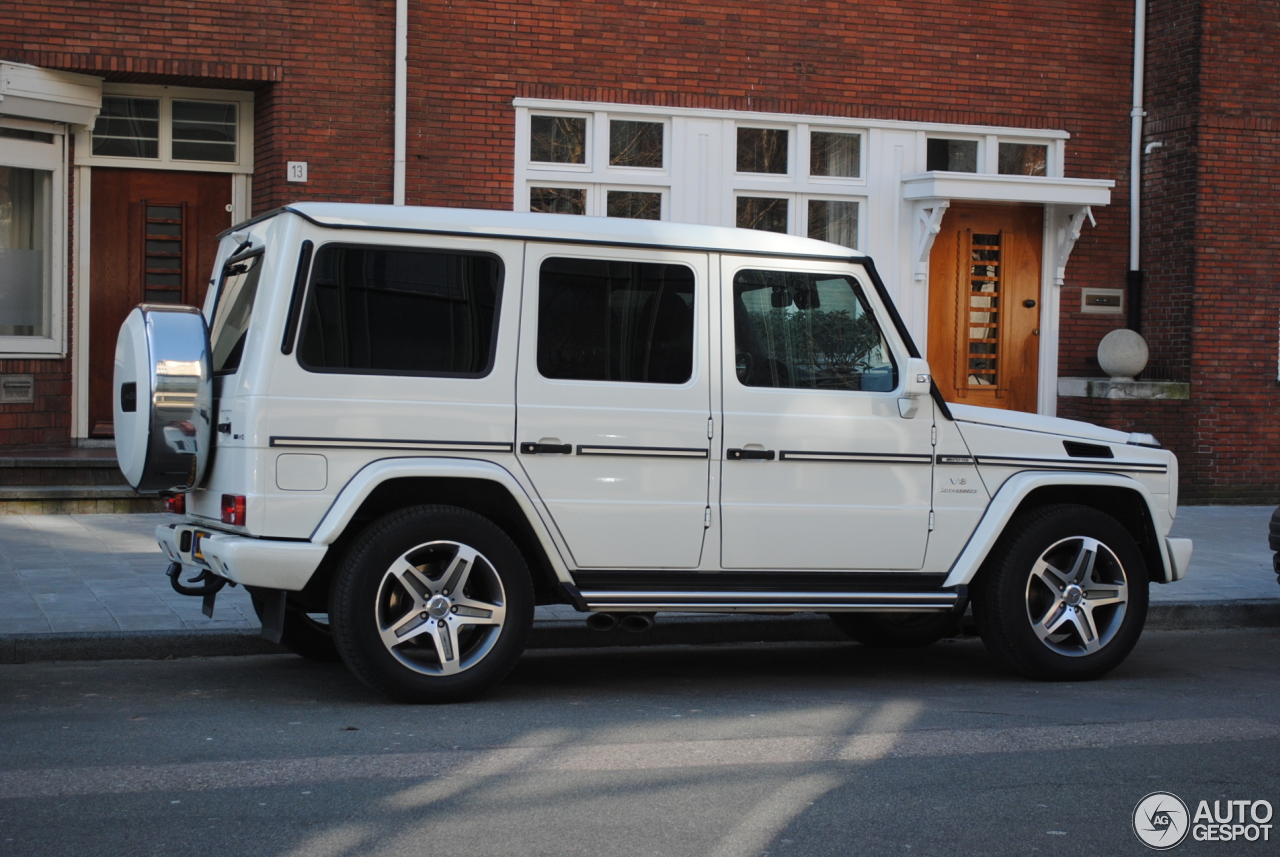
point(241, 559)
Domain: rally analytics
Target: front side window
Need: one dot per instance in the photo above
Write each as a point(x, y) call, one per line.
point(382, 310)
point(602, 320)
point(232, 311)
point(808, 331)
point(25, 239)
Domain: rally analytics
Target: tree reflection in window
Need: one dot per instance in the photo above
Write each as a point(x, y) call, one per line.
point(635, 144)
point(637, 205)
point(558, 139)
point(762, 150)
point(558, 200)
point(764, 213)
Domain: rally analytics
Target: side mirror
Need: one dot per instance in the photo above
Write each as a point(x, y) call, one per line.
point(918, 384)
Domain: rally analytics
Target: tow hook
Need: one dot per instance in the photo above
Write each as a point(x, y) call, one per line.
point(209, 586)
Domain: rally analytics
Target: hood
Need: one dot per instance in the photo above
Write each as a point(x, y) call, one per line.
point(1035, 422)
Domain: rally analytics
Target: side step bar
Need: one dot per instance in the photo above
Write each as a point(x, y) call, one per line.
point(774, 602)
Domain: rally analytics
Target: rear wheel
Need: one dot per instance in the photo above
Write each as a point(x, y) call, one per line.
point(896, 630)
point(433, 604)
point(1063, 596)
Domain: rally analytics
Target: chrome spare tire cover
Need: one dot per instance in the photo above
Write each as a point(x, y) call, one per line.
point(163, 398)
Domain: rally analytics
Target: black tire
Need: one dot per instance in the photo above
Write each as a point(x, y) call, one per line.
point(452, 620)
point(896, 630)
point(1029, 615)
point(304, 634)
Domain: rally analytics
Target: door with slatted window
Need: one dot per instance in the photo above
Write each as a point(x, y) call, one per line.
point(984, 305)
point(153, 237)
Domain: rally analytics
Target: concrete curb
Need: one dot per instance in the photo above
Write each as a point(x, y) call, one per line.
point(558, 634)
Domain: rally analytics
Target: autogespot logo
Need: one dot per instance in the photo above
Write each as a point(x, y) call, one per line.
point(1160, 820)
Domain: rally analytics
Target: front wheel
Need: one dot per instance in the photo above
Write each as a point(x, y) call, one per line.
point(1064, 594)
point(433, 604)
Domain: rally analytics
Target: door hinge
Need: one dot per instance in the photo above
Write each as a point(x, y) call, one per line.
point(711, 428)
point(931, 522)
point(933, 434)
point(706, 518)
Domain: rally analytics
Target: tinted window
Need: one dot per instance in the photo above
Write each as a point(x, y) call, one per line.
point(377, 309)
point(809, 331)
point(233, 310)
point(615, 321)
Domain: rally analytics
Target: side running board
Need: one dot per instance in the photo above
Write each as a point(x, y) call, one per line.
point(774, 602)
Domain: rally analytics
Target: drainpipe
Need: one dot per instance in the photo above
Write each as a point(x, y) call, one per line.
point(1134, 279)
point(402, 98)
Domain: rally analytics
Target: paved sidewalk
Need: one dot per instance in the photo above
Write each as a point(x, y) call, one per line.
point(71, 575)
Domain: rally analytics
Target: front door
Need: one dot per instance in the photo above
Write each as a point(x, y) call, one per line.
point(153, 237)
point(613, 402)
point(984, 305)
point(820, 471)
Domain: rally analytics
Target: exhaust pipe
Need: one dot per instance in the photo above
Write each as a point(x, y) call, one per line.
point(636, 623)
point(602, 621)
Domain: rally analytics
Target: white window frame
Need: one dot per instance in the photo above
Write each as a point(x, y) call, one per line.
point(802, 212)
point(804, 143)
point(52, 158)
point(166, 95)
point(588, 152)
point(624, 173)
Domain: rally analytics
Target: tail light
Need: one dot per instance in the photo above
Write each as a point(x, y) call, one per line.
point(233, 509)
point(177, 504)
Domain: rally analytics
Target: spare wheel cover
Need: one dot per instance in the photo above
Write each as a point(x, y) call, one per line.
point(163, 398)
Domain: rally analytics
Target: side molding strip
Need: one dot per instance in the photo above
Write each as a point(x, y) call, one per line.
point(379, 443)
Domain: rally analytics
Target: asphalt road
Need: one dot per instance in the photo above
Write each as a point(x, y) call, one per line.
point(801, 749)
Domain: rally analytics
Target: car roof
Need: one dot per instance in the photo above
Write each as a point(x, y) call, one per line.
point(563, 228)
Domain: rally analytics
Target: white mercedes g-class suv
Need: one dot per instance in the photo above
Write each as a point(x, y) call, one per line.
point(401, 428)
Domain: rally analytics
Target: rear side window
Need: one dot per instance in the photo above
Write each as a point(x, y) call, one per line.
point(233, 310)
point(808, 331)
point(382, 310)
point(600, 320)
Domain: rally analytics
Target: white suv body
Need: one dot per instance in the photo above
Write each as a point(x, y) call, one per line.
point(658, 416)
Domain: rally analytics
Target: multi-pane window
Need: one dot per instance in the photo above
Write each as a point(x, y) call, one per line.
point(956, 156)
point(558, 139)
point(834, 220)
point(204, 131)
point(768, 214)
point(638, 205)
point(635, 144)
point(832, 154)
point(170, 126)
point(558, 200)
point(162, 259)
point(383, 310)
point(603, 320)
point(806, 330)
point(1023, 159)
point(762, 150)
point(25, 236)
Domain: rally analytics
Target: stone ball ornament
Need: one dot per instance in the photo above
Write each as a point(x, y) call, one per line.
point(1122, 354)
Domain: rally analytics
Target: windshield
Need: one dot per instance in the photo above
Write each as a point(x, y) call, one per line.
point(232, 310)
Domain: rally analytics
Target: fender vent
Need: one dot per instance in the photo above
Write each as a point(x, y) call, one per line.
point(1075, 449)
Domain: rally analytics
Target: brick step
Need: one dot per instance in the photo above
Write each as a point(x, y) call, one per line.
point(33, 470)
point(74, 500)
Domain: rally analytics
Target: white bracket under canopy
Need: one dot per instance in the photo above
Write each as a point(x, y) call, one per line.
point(928, 223)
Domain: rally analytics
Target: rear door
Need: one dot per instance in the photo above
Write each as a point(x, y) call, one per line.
point(613, 401)
point(820, 470)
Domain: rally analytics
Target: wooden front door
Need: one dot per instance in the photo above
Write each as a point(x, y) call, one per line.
point(153, 238)
point(984, 305)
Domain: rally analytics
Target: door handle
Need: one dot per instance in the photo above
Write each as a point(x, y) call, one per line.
point(749, 454)
point(533, 448)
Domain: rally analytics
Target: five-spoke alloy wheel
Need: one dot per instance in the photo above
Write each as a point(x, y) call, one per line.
point(1064, 594)
point(433, 604)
